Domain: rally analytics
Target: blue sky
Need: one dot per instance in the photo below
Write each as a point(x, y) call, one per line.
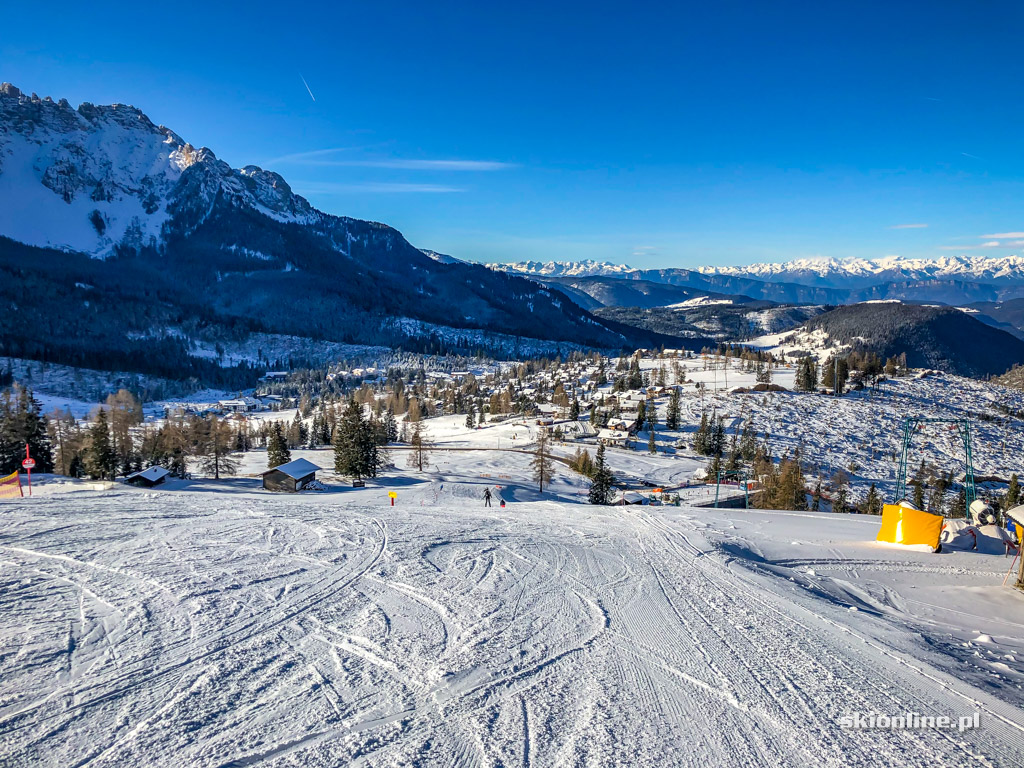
point(713, 133)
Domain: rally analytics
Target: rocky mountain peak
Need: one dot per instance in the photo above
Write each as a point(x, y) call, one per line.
point(103, 177)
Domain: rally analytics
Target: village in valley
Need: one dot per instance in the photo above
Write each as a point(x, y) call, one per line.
point(677, 427)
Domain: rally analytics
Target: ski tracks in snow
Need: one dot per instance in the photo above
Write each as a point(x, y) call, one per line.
point(272, 632)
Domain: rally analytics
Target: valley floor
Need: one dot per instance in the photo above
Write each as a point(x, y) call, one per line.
point(202, 628)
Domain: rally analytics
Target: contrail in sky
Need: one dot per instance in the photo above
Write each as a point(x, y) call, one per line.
point(307, 87)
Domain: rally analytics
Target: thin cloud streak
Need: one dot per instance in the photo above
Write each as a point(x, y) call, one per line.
point(991, 244)
point(1002, 236)
point(332, 188)
point(304, 158)
point(324, 158)
point(909, 226)
point(307, 87)
point(429, 165)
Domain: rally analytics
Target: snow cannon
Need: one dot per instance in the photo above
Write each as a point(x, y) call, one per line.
point(904, 524)
point(982, 512)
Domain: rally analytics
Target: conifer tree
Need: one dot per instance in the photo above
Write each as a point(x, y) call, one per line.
point(100, 459)
point(601, 487)
point(700, 439)
point(673, 413)
point(652, 418)
point(717, 438)
point(315, 430)
point(470, 417)
point(348, 459)
point(21, 423)
point(277, 447)
point(652, 447)
point(829, 370)
point(357, 444)
point(918, 494)
point(872, 502)
point(391, 426)
point(807, 375)
point(841, 492)
point(748, 441)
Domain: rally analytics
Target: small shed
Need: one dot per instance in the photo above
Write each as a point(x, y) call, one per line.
point(149, 477)
point(290, 477)
point(629, 498)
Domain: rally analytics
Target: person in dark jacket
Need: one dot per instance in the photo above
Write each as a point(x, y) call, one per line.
point(487, 497)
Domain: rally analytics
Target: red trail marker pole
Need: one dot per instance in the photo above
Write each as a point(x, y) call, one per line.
point(28, 462)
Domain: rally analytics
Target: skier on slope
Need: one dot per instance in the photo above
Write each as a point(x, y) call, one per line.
point(487, 497)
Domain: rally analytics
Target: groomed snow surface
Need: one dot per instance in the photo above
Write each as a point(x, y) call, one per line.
point(214, 624)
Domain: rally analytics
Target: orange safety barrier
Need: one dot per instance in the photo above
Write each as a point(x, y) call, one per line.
point(10, 486)
point(902, 524)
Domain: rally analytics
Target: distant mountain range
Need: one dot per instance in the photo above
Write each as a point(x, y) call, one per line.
point(888, 305)
point(585, 268)
point(858, 273)
point(950, 280)
point(124, 247)
point(824, 272)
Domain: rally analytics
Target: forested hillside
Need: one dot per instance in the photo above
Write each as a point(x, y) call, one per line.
point(932, 337)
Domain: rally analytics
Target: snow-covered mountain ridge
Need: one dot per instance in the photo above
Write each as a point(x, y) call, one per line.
point(97, 178)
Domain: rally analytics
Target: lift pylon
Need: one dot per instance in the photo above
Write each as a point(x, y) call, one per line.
point(963, 426)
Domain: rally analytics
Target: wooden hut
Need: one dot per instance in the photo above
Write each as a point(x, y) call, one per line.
point(149, 477)
point(290, 477)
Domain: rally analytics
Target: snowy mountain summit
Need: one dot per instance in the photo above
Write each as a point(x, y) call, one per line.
point(98, 178)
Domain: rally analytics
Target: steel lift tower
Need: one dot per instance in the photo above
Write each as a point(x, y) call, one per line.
point(910, 425)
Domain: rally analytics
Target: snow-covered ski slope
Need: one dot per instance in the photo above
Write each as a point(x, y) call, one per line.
point(222, 626)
